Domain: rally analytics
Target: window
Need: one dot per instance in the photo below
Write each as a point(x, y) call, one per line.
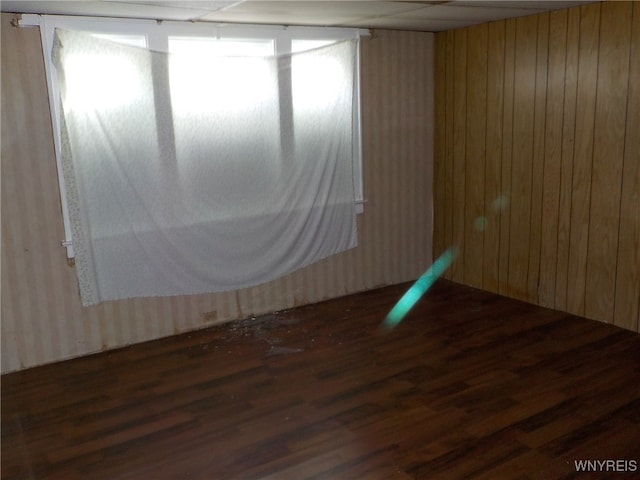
point(180, 36)
point(200, 158)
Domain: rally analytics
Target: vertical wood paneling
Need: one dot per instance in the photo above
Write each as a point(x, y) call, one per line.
point(475, 142)
point(398, 72)
point(449, 44)
point(507, 155)
point(459, 147)
point(522, 155)
point(566, 166)
point(562, 110)
point(552, 157)
point(537, 167)
point(493, 156)
point(423, 115)
point(608, 154)
point(627, 298)
point(32, 190)
point(42, 320)
point(582, 158)
point(439, 170)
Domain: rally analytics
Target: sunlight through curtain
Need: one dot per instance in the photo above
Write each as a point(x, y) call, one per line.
point(201, 173)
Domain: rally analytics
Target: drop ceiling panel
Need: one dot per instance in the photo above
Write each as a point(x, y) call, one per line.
point(290, 18)
point(469, 14)
point(413, 23)
point(108, 9)
point(196, 5)
point(310, 12)
point(529, 5)
point(430, 15)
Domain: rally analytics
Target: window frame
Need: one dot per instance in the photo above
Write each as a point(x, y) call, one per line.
point(156, 34)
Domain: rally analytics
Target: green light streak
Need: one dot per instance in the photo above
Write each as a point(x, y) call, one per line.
point(481, 223)
point(418, 289)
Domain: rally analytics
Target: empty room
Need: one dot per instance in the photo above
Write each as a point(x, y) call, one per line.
point(320, 240)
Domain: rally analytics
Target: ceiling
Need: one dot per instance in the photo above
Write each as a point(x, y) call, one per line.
point(429, 15)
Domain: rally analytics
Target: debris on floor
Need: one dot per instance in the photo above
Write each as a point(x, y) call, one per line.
point(282, 351)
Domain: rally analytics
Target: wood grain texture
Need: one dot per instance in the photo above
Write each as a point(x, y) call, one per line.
point(439, 148)
point(475, 152)
point(562, 87)
point(469, 385)
point(524, 96)
point(566, 157)
point(552, 157)
point(583, 158)
point(537, 165)
point(507, 154)
point(459, 146)
point(493, 154)
point(627, 299)
point(42, 319)
point(449, 44)
point(608, 156)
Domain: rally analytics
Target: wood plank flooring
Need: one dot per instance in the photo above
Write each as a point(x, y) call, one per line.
point(469, 385)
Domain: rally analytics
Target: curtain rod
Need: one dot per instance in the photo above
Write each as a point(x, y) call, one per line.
point(36, 19)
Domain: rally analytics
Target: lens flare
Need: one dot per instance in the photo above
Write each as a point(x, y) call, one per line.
point(418, 289)
point(500, 203)
point(481, 223)
point(424, 283)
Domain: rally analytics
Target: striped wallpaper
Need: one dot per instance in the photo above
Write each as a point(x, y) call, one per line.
point(544, 110)
point(42, 320)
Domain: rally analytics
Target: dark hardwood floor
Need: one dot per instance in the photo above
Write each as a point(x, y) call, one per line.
point(469, 385)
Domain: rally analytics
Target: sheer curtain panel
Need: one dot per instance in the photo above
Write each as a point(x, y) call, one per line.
point(198, 171)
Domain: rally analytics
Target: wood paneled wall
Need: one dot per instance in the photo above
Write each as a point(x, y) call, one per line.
point(42, 320)
point(543, 112)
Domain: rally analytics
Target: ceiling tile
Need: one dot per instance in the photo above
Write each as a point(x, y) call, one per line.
point(413, 23)
point(484, 14)
point(325, 19)
point(351, 8)
point(104, 9)
point(327, 13)
point(429, 15)
point(197, 5)
point(529, 5)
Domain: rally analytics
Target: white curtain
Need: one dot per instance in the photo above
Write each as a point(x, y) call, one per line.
point(189, 175)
